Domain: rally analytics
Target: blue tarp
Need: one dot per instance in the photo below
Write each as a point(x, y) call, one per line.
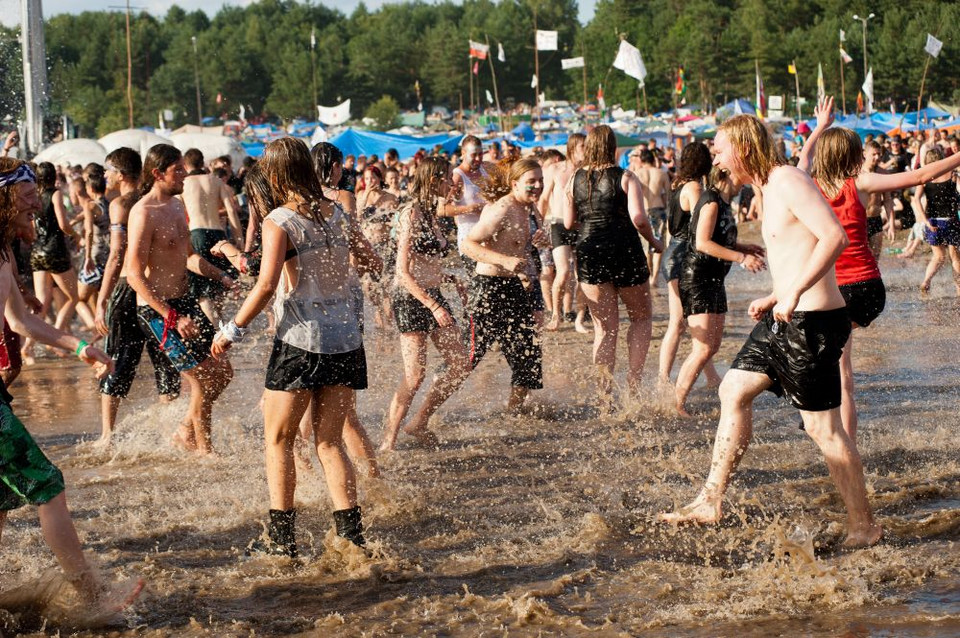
point(253, 149)
point(738, 106)
point(927, 114)
point(524, 131)
point(354, 142)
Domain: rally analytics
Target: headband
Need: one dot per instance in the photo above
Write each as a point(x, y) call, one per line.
point(23, 173)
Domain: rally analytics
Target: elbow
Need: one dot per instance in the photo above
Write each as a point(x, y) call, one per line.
point(840, 241)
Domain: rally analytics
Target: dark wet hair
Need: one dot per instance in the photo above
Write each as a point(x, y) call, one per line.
point(259, 193)
point(97, 182)
point(46, 176)
point(193, 157)
point(695, 164)
point(325, 155)
point(127, 161)
point(646, 156)
point(160, 157)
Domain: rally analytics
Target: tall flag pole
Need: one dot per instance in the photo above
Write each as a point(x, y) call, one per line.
point(313, 63)
point(844, 59)
point(496, 93)
point(932, 47)
point(792, 69)
point(761, 96)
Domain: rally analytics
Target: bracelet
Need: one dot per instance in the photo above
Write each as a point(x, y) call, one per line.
point(232, 332)
point(80, 346)
point(169, 322)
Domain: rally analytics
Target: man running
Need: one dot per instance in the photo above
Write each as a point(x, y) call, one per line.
point(795, 348)
point(203, 195)
point(656, 190)
point(160, 255)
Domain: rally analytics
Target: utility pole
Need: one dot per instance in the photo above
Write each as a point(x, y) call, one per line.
point(196, 80)
point(864, 22)
point(129, 64)
point(34, 71)
point(313, 63)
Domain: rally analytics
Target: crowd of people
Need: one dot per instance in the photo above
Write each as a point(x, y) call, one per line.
point(147, 253)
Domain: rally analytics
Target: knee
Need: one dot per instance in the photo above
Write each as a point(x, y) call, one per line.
point(732, 392)
point(412, 382)
point(823, 432)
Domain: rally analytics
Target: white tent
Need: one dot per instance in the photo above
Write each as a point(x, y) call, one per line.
point(72, 152)
point(211, 146)
point(137, 139)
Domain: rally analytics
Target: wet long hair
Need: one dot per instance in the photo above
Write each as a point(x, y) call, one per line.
point(160, 157)
point(753, 143)
point(695, 164)
point(288, 167)
point(837, 157)
point(8, 206)
point(259, 193)
point(46, 177)
point(325, 156)
point(599, 149)
point(500, 178)
point(425, 185)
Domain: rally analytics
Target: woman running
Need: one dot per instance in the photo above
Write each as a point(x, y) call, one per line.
point(420, 309)
point(939, 204)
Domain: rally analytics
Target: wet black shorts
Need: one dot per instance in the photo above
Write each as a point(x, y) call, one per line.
point(702, 295)
point(673, 258)
point(26, 475)
point(560, 236)
point(203, 240)
point(199, 347)
point(502, 312)
point(52, 261)
point(802, 357)
point(865, 300)
point(874, 226)
point(612, 258)
point(124, 344)
point(413, 316)
point(292, 368)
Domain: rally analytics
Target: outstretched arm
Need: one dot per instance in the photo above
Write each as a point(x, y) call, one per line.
point(824, 114)
point(883, 182)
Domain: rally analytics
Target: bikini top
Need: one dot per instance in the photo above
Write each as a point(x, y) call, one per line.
point(425, 240)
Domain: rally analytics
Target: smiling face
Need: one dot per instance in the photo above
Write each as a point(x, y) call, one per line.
point(528, 188)
point(725, 157)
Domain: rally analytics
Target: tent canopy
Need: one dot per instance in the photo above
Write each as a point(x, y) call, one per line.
point(524, 131)
point(738, 106)
point(133, 138)
point(211, 146)
point(354, 142)
point(72, 152)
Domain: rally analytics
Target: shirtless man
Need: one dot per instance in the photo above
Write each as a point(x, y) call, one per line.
point(556, 181)
point(803, 239)
point(160, 255)
point(879, 205)
point(116, 307)
point(203, 196)
point(656, 190)
point(502, 308)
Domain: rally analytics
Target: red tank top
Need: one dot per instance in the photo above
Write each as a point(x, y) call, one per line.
point(856, 263)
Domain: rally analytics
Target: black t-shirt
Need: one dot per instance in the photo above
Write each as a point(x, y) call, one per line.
point(901, 161)
point(724, 233)
point(678, 220)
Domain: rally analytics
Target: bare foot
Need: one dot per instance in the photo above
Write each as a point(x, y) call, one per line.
point(682, 411)
point(864, 538)
point(184, 439)
point(579, 327)
point(924, 287)
point(113, 599)
point(702, 511)
point(423, 436)
point(554, 324)
point(104, 442)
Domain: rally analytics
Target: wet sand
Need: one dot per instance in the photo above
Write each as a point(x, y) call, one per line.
point(530, 526)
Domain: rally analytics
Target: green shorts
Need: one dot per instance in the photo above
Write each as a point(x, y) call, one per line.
point(26, 475)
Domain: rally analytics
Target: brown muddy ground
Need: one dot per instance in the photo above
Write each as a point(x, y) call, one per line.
point(529, 526)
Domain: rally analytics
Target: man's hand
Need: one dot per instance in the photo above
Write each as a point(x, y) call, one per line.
point(13, 138)
point(100, 319)
point(514, 264)
point(760, 307)
point(783, 309)
point(186, 327)
point(101, 362)
point(540, 239)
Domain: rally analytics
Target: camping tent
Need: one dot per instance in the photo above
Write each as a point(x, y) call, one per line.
point(133, 138)
point(355, 142)
point(78, 151)
point(210, 145)
point(738, 106)
point(524, 131)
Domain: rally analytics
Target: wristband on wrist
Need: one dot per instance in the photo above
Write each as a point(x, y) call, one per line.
point(80, 346)
point(232, 332)
point(169, 322)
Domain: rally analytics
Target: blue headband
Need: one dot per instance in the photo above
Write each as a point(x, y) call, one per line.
point(22, 173)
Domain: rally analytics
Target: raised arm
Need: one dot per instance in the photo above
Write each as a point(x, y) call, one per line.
point(824, 115)
point(883, 182)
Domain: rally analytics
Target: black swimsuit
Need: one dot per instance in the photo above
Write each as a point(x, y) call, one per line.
point(701, 277)
point(49, 252)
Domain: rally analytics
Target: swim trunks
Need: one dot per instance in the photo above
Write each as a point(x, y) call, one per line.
point(194, 351)
point(802, 357)
point(546, 258)
point(865, 300)
point(124, 344)
point(10, 358)
point(673, 258)
point(413, 316)
point(26, 475)
point(291, 368)
point(203, 240)
point(502, 311)
point(658, 220)
point(874, 226)
point(560, 236)
point(946, 232)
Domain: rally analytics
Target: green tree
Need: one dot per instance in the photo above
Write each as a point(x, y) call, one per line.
point(385, 112)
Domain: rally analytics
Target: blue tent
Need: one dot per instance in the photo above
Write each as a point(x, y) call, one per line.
point(925, 115)
point(524, 131)
point(738, 106)
point(354, 142)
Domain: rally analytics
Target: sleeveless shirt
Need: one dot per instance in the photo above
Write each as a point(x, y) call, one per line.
point(942, 199)
point(471, 195)
point(856, 263)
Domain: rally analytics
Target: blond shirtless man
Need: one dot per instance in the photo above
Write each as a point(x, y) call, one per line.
point(158, 258)
point(803, 239)
point(556, 181)
point(656, 191)
point(204, 195)
point(502, 308)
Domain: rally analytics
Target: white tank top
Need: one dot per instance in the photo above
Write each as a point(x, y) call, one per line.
point(316, 311)
point(471, 196)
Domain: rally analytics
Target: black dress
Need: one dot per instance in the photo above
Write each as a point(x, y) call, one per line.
point(49, 252)
point(701, 276)
point(608, 248)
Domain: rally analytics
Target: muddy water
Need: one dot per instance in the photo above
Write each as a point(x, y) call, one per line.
point(540, 525)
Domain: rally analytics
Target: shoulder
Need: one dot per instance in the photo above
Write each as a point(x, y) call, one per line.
point(790, 178)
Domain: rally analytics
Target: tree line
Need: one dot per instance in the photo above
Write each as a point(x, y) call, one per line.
point(260, 55)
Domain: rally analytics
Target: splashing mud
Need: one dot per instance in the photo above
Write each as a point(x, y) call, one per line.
point(521, 526)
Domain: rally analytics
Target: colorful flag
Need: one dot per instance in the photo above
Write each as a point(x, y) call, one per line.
point(546, 40)
point(630, 61)
point(681, 87)
point(478, 50)
point(933, 46)
point(821, 88)
point(859, 101)
point(845, 56)
point(476, 68)
point(571, 63)
point(761, 97)
point(792, 70)
point(500, 54)
point(600, 101)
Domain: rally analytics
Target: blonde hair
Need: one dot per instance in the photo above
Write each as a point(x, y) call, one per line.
point(837, 157)
point(753, 144)
point(500, 178)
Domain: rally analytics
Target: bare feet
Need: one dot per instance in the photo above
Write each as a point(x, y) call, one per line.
point(702, 511)
point(423, 436)
point(924, 287)
point(682, 411)
point(579, 327)
point(113, 599)
point(864, 538)
point(184, 438)
point(554, 324)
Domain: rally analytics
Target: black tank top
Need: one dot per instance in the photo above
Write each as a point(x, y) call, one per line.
point(942, 199)
point(678, 220)
point(50, 239)
point(600, 201)
point(724, 233)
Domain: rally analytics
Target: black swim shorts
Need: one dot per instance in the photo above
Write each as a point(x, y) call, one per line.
point(413, 316)
point(203, 240)
point(802, 357)
point(26, 475)
point(197, 348)
point(560, 236)
point(673, 258)
point(865, 300)
point(701, 295)
point(292, 368)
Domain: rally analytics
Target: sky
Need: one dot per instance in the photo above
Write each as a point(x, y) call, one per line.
point(10, 9)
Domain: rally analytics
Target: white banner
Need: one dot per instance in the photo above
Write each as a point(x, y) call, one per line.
point(933, 46)
point(500, 54)
point(572, 63)
point(489, 97)
point(630, 62)
point(533, 81)
point(333, 115)
point(546, 40)
point(845, 57)
point(868, 85)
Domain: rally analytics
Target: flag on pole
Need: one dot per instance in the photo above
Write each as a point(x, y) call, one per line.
point(868, 86)
point(843, 36)
point(333, 115)
point(845, 56)
point(630, 61)
point(313, 38)
point(489, 97)
point(600, 101)
point(933, 46)
point(859, 101)
point(500, 54)
point(479, 50)
point(546, 40)
point(476, 68)
point(681, 86)
point(243, 114)
point(761, 97)
point(792, 70)
point(821, 88)
point(572, 63)
point(533, 81)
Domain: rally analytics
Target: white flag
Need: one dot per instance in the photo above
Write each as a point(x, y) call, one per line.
point(313, 38)
point(845, 57)
point(243, 113)
point(533, 81)
point(629, 61)
point(489, 97)
point(843, 36)
point(500, 54)
point(572, 63)
point(333, 115)
point(868, 85)
point(546, 40)
point(933, 46)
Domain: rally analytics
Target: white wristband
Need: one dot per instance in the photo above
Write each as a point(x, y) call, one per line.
point(232, 332)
